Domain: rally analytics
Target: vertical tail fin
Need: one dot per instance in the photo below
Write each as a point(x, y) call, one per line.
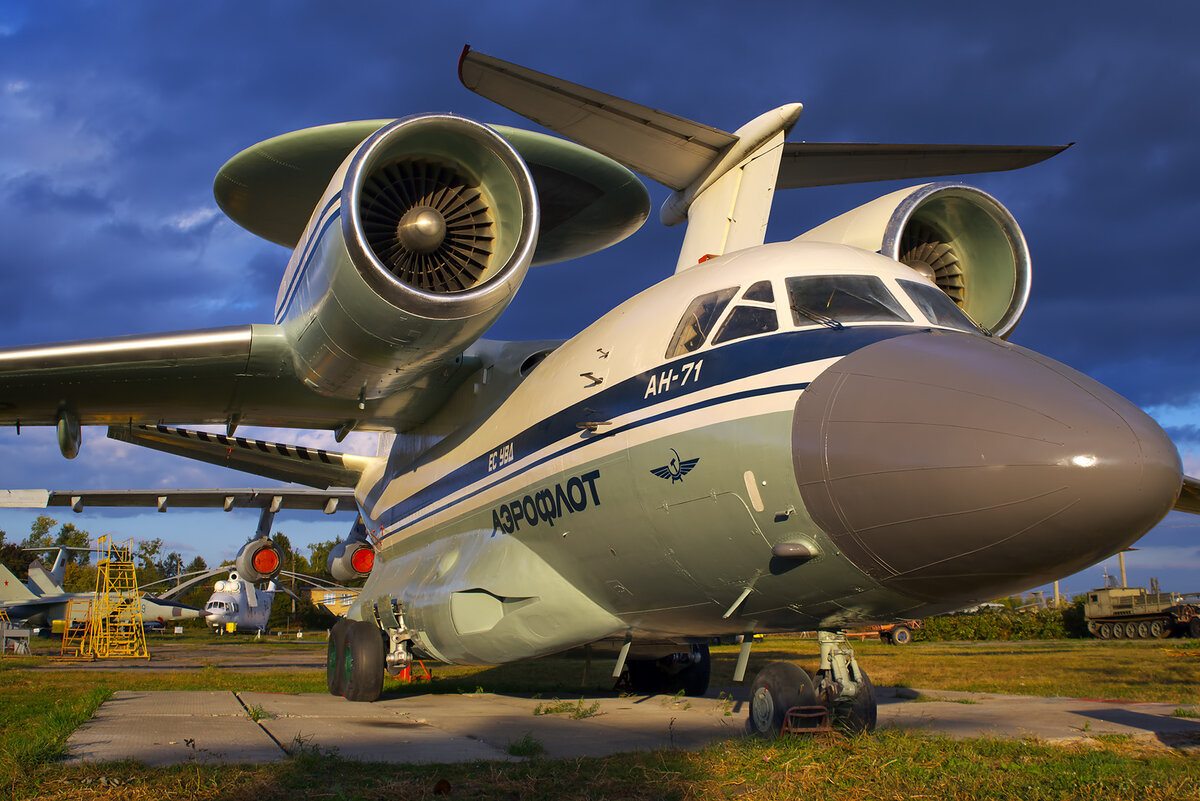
point(42, 581)
point(11, 588)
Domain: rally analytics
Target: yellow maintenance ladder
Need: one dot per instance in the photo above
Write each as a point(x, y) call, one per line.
point(115, 623)
point(75, 624)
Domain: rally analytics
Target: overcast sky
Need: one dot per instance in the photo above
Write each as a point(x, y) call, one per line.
point(114, 118)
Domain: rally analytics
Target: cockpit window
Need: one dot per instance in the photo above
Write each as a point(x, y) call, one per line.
point(698, 320)
point(761, 290)
point(746, 321)
point(835, 299)
point(935, 305)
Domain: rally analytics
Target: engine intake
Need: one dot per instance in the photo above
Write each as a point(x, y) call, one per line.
point(438, 226)
point(957, 236)
point(442, 206)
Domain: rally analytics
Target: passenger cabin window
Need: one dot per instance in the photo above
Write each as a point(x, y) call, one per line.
point(835, 299)
point(937, 306)
point(698, 320)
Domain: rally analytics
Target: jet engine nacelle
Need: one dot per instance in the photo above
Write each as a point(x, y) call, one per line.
point(259, 560)
point(421, 240)
point(354, 557)
point(349, 561)
point(959, 237)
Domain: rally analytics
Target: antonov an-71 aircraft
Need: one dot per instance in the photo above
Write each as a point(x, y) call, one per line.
point(801, 435)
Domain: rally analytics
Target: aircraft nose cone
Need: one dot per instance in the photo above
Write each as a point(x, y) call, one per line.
point(955, 468)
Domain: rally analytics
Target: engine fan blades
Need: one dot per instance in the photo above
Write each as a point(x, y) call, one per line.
point(924, 251)
point(431, 228)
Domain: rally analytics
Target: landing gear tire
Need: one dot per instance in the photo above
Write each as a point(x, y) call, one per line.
point(777, 688)
point(335, 658)
point(364, 654)
point(900, 635)
point(858, 714)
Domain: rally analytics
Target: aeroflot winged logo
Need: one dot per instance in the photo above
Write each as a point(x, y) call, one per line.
point(677, 468)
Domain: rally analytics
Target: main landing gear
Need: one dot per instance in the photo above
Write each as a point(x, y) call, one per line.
point(354, 660)
point(360, 651)
point(839, 692)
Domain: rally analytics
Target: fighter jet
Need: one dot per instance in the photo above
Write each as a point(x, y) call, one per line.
point(42, 599)
point(814, 433)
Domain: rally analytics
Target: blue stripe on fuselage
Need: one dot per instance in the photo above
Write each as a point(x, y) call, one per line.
point(310, 248)
point(722, 365)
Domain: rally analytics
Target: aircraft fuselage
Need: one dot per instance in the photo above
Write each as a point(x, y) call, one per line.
point(762, 465)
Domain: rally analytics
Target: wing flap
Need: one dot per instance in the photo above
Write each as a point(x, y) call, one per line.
point(1189, 496)
point(313, 467)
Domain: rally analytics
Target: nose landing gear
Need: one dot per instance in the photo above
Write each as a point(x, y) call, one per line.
point(840, 686)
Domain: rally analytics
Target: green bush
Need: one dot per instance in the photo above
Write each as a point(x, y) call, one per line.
point(1006, 624)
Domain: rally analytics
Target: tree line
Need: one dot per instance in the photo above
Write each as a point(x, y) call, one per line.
point(162, 570)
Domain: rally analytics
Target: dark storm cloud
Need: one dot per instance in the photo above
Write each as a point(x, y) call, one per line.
point(35, 194)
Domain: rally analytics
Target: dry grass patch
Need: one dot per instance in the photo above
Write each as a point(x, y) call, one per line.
point(887, 765)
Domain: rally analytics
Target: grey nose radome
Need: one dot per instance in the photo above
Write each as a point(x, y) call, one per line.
point(954, 468)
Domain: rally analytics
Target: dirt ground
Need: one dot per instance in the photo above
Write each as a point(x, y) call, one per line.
point(270, 655)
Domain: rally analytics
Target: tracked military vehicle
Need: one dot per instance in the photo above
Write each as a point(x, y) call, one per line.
point(1131, 613)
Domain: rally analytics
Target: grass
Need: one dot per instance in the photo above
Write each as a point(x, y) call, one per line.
point(887, 765)
point(527, 746)
point(577, 710)
point(257, 713)
point(40, 707)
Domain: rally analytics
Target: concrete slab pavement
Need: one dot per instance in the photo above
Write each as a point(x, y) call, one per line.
point(965, 715)
point(170, 727)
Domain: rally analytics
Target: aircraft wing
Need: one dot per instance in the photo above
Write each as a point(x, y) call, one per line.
point(677, 152)
point(1189, 496)
point(231, 376)
point(826, 164)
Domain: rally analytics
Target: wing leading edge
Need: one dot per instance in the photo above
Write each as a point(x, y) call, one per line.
point(230, 376)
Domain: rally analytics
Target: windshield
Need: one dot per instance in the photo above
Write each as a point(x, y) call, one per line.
point(698, 320)
point(938, 307)
point(835, 299)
